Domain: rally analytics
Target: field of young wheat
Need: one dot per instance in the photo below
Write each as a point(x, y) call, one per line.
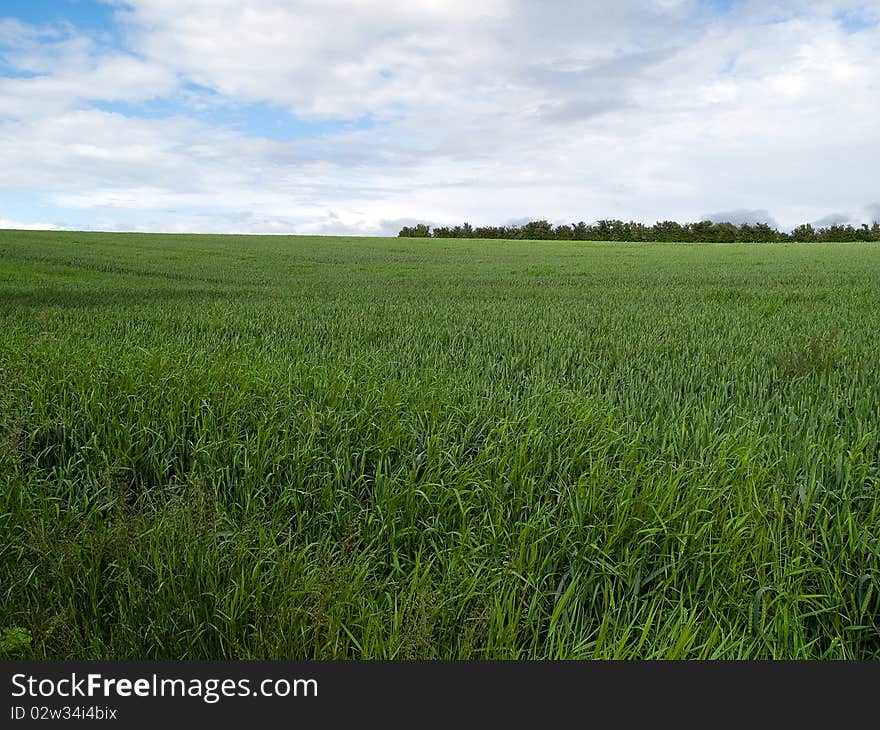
point(291, 447)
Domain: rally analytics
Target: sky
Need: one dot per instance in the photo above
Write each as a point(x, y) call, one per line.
point(355, 117)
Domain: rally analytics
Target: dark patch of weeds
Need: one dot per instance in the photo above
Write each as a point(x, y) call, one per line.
point(814, 356)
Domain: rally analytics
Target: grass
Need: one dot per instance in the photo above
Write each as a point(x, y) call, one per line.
point(265, 447)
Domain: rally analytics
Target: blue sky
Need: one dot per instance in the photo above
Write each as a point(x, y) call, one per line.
point(84, 14)
point(100, 21)
point(357, 116)
point(256, 119)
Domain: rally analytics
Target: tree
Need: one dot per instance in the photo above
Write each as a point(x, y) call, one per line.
point(563, 233)
point(803, 232)
point(725, 232)
point(537, 230)
point(616, 230)
point(763, 232)
point(418, 231)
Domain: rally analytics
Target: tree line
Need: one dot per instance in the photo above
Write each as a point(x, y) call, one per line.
point(616, 230)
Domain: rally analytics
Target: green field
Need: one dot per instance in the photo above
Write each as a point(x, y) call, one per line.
point(267, 447)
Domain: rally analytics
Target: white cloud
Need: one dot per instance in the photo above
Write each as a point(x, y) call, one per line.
point(59, 69)
point(485, 111)
point(739, 217)
point(6, 223)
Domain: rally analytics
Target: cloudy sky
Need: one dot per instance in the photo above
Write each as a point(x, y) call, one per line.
point(355, 116)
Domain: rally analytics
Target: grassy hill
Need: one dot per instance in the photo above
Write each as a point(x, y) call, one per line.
point(293, 447)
